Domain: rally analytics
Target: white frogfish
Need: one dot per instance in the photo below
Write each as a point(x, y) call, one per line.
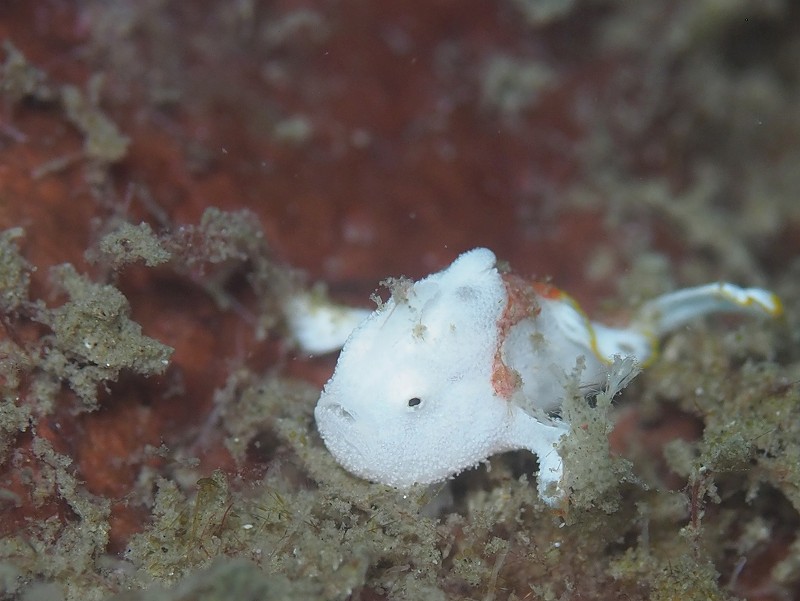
point(470, 362)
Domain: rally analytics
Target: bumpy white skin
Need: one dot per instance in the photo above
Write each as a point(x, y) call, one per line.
point(436, 342)
point(317, 325)
point(437, 345)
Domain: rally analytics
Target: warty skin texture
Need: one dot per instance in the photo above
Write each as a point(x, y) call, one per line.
point(470, 362)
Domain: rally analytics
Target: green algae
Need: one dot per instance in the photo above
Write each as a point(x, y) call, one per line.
point(226, 579)
point(63, 553)
point(129, 244)
point(89, 339)
point(306, 525)
point(93, 338)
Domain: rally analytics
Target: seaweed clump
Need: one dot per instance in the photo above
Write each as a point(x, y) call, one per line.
point(290, 519)
point(86, 341)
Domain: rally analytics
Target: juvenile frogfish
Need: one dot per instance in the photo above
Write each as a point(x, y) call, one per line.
point(470, 362)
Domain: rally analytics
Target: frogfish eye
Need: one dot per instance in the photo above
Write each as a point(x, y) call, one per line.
point(413, 402)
